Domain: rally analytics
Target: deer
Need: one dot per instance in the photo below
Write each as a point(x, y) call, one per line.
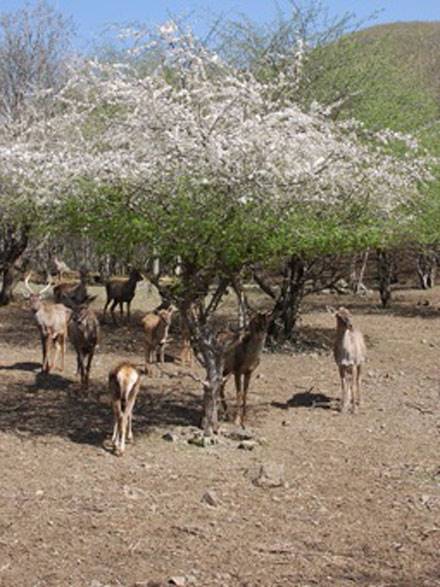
point(52, 320)
point(83, 330)
point(241, 358)
point(124, 383)
point(119, 292)
point(156, 326)
point(75, 292)
point(350, 353)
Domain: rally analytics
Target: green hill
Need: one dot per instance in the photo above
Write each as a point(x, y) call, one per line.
point(386, 76)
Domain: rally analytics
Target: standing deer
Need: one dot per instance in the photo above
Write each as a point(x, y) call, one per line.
point(156, 326)
point(242, 357)
point(84, 335)
point(350, 353)
point(122, 291)
point(52, 320)
point(74, 292)
point(124, 383)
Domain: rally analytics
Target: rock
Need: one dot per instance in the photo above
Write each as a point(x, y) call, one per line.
point(203, 441)
point(270, 475)
point(169, 436)
point(178, 581)
point(239, 434)
point(210, 497)
point(247, 444)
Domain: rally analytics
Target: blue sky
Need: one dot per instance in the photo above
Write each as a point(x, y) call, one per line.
point(91, 16)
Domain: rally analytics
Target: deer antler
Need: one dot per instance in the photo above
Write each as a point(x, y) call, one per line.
point(26, 283)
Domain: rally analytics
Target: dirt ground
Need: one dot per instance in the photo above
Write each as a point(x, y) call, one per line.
point(358, 501)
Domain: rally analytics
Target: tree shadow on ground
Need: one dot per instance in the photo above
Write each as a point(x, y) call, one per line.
point(53, 405)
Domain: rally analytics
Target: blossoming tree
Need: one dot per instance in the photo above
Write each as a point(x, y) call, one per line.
point(204, 163)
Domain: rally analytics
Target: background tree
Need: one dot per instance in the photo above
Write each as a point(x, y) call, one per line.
point(34, 47)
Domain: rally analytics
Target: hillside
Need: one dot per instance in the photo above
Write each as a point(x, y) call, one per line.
point(415, 47)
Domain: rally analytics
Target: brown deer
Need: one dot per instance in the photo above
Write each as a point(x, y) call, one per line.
point(52, 320)
point(241, 358)
point(74, 292)
point(120, 292)
point(83, 332)
point(124, 383)
point(350, 352)
point(156, 326)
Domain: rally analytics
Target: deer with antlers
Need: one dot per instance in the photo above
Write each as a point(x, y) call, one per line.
point(52, 320)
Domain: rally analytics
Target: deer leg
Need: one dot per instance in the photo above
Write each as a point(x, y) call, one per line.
point(129, 411)
point(223, 398)
point(88, 367)
point(239, 396)
point(54, 344)
point(44, 345)
point(357, 378)
point(112, 310)
point(105, 308)
point(344, 391)
point(62, 344)
point(247, 379)
point(118, 428)
point(121, 309)
point(128, 311)
point(162, 352)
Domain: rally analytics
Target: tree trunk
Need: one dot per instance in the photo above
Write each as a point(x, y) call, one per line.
point(357, 274)
point(385, 276)
point(286, 310)
point(426, 269)
point(211, 355)
point(13, 264)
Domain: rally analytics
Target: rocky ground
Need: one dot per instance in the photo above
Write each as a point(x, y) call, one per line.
point(305, 497)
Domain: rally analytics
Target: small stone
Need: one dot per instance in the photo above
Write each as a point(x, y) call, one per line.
point(270, 475)
point(210, 497)
point(247, 444)
point(169, 436)
point(203, 441)
point(178, 581)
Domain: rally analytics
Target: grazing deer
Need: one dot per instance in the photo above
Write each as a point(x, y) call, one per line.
point(122, 291)
point(350, 353)
point(242, 357)
point(124, 383)
point(156, 326)
point(83, 332)
point(74, 292)
point(52, 320)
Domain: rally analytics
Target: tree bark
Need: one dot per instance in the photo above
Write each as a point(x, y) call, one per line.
point(426, 269)
point(286, 310)
point(13, 263)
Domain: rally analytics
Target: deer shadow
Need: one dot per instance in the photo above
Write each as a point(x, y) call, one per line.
point(21, 366)
point(307, 399)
